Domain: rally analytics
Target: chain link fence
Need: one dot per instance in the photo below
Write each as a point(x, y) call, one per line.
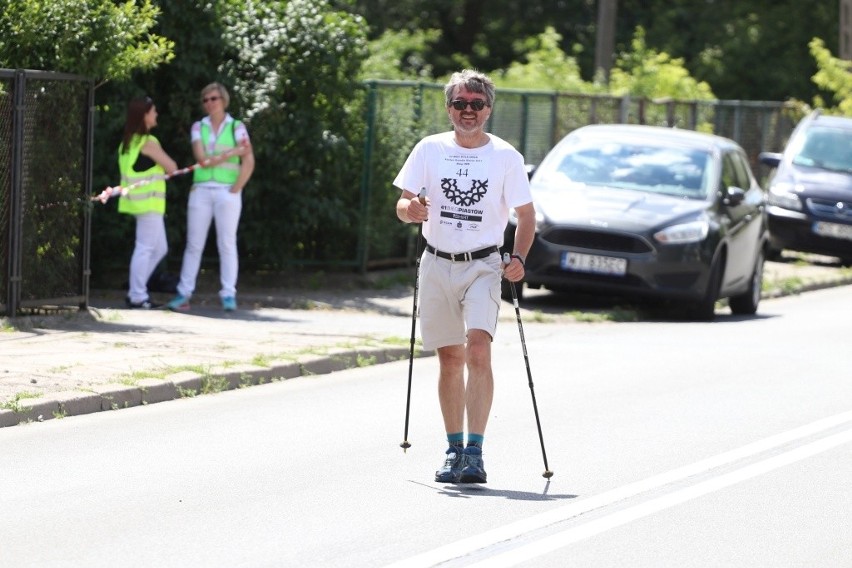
point(400, 113)
point(46, 133)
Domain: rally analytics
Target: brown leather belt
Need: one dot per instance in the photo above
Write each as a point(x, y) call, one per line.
point(462, 256)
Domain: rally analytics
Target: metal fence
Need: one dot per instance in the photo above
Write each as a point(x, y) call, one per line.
point(400, 112)
point(46, 140)
point(46, 133)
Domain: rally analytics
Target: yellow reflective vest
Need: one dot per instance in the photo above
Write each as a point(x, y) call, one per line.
point(228, 171)
point(149, 197)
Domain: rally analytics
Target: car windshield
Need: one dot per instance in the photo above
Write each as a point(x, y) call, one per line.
point(826, 148)
point(669, 170)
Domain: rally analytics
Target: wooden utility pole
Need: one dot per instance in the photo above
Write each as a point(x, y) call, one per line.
point(845, 29)
point(605, 38)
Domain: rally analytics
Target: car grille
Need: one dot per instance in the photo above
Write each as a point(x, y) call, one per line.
point(831, 209)
point(596, 240)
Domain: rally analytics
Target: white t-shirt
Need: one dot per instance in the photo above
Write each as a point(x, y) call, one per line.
point(470, 189)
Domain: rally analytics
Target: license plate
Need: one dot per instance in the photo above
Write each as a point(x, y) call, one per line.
point(833, 230)
point(597, 264)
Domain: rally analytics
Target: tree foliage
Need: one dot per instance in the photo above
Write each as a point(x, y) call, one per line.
point(835, 76)
point(399, 55)
point(545, 66)
point(297, 68)
point(645, 72)
point(101, 39)
point(747, 49)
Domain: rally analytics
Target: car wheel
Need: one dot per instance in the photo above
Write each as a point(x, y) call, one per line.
point(506, 290)
point(705, 309)
point(746, 303)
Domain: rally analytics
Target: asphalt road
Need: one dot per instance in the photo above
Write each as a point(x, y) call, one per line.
point(673, 444)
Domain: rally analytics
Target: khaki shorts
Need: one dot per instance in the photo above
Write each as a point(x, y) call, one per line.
point(456, 297)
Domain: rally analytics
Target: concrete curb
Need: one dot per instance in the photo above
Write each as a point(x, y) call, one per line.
point(115, 396)
point(808, 286)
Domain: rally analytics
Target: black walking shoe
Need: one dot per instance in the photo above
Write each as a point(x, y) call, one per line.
point(146, 304)
point(450, 472)
point(474, 468)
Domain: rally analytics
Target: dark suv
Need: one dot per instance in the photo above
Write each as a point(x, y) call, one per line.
point(810, 192)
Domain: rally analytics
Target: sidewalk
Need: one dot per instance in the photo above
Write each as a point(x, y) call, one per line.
point(110, 357)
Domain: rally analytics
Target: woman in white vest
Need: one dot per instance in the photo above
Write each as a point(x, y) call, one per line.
point(216, 196)
point(140, 157)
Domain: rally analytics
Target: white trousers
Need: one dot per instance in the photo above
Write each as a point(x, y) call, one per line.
point(151, 246)
point(222, 207)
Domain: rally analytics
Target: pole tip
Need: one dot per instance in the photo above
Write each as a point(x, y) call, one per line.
point(405, 445)
point(547, 474)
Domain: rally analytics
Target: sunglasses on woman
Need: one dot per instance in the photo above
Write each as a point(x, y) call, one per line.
point(476, 104)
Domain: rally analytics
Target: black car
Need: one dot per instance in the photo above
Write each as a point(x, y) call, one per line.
point(810, 193)
point(631, 210)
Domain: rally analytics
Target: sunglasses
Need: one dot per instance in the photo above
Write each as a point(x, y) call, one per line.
point(208, 99)
point(476, 104)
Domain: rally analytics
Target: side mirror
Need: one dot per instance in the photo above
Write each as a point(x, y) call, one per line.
point(771, 159)
point(733, 196)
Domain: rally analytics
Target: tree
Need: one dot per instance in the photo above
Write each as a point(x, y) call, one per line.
point(749, 49)
point(398, 55)
point(296, 67)
point(835, 76)
point(100, 39)
point(546, 67)
point(645, 72)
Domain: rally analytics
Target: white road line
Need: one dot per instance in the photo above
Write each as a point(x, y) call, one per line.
point(564, 538)
point(510, 531)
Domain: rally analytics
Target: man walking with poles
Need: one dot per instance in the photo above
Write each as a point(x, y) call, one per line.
point(470, 180)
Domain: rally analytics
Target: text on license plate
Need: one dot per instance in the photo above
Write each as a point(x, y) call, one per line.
point(835, 230)
point(579, 262)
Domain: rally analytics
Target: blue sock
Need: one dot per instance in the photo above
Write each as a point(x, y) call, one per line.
point(475, 440)
point(456, 439)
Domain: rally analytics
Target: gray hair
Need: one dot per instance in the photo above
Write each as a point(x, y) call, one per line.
point(473, 81)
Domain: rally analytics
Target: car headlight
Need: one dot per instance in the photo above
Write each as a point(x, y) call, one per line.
point(785, 195)
point(692, 232)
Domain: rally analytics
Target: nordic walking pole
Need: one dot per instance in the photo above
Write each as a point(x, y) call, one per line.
point(507, 258)
point(405, 444)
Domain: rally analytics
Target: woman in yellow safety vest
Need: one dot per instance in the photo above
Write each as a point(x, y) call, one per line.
point(140, 157)
point(221, 143)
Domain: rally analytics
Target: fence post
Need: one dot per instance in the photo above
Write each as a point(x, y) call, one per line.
point(86, 261)
point(14, 276)
point(525, 111)
point(366, 179)
point(554, 119)
point(624, 109)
